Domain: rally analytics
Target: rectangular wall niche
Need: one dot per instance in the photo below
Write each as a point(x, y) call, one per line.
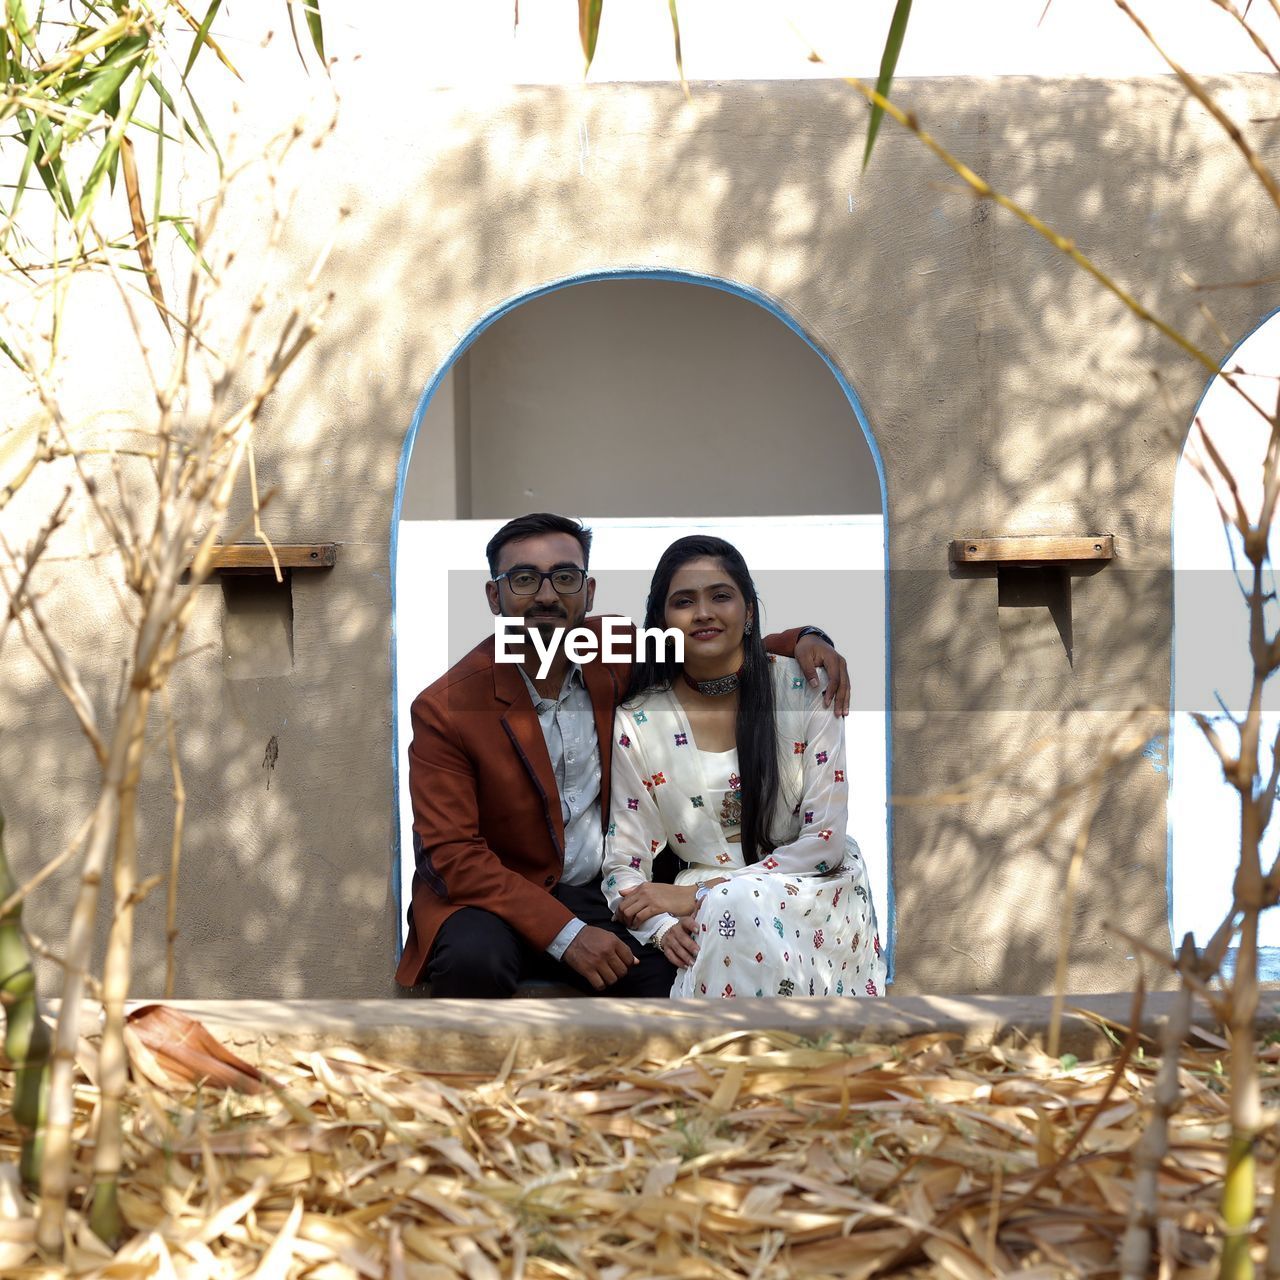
point(257, 625)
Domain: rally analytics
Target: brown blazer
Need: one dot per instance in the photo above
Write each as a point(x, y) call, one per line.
point(486, 812)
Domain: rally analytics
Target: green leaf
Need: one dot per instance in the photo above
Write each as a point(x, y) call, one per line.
point(20, 22)
point(888, 61)
point(312, 10)
point(166, 100)
point(104, 86)
point(111, 147)
point(202, 34)
point(184, 233)
point(38, 135)
point(589, 12)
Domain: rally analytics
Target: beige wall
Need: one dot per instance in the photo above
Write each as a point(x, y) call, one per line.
point(1006, 393)
point(678, 384)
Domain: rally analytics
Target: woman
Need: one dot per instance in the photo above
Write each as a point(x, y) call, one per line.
point(733, 762)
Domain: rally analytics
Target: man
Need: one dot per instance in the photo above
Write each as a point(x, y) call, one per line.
point(509, 780)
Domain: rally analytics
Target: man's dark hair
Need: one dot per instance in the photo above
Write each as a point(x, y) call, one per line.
point(531, 526)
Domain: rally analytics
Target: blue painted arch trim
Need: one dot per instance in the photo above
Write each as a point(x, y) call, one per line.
point(775, 309)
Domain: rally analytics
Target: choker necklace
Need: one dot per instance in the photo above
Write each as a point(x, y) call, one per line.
point(717, 687)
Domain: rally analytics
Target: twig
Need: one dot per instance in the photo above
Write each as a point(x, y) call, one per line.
point(175, 845)
point(1202, 96)
point(1135, 1247)
point(49, 868)
point(1065, 922)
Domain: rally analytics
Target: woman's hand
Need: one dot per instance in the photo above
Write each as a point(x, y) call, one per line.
point(679, 944)
point(813, 652)
point(642, 902)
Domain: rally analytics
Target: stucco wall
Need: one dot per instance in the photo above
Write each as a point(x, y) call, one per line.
point(1005, 391)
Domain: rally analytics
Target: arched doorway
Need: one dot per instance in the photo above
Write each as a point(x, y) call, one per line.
point(648, 405)
point(1211, 664)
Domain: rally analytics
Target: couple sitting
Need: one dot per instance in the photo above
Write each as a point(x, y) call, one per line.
point(543, 792)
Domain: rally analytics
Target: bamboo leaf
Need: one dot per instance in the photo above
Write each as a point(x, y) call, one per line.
point(888, 61)
point(314, 25)
point(675, 31)
point(184, 234)
point(110, 75)
point(36, 131)
point(20, 22)
point(108, 152)
point(166, 100)
point(141, 232)
point(589, 12)
point(202, 34)
point(293, 31)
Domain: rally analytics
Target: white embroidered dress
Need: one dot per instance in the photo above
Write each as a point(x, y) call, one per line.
point(798, 922)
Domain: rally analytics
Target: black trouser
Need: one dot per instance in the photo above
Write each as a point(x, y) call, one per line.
point(477, 955)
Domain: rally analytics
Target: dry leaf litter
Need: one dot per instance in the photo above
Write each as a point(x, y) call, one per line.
point(751, 1155)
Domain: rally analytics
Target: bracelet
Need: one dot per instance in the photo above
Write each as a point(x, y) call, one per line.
point(656, 940)
point(698, 894)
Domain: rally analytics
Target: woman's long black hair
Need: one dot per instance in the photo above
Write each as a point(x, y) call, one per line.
point(756, 730)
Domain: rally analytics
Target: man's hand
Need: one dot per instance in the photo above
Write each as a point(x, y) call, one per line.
point(600, 956)
point(641, 902)
point(813, 652)
point(679, 944)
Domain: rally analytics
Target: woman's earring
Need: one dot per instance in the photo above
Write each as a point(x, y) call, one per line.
point(746, 631)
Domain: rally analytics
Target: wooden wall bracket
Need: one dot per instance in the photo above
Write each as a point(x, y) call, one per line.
point(253, 557)
point(1034, 549)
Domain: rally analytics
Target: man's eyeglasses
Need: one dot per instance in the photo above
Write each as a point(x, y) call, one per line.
point(528, 582)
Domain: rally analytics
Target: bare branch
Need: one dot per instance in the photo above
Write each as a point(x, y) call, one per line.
point(1202, 96)
point(1259, 43)
point(49, 868)
point(1230, 765)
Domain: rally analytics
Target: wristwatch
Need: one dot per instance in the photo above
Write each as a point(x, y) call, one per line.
point(816, 631)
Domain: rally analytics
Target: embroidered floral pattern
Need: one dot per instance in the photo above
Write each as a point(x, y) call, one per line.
point(810, 878)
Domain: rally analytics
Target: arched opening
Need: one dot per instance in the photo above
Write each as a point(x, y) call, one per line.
point(649, 405)
point(1211, 663)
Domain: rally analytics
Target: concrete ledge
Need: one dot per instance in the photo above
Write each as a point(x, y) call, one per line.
point(476, 1035)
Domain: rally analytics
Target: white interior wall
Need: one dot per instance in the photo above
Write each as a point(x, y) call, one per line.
point(661, 398)
point(1211, 648)
point(828, 571)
